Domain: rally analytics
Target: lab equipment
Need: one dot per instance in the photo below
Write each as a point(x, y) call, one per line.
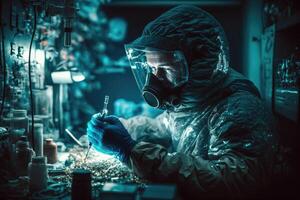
point(67, 76)
point(50, 151)
point(20, 124)
point(286, 87)
point(69, 15)
point(15, 135)
point(23, 156)
point(29, 135)
point(17, 119)
point(81, 185)
point(23, 138)
point(38, 139)
point(104, 110)
point(46, 120)
point(38, 174)
point(42, 102)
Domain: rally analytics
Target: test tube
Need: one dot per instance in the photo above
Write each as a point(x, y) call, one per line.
point(104, 110)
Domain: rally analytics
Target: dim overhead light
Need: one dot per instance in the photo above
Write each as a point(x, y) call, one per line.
point(67, 76)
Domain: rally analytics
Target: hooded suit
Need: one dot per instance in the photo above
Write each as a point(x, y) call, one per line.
point(219, 139)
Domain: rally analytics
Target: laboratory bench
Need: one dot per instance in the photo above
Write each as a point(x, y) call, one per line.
point(98, 176)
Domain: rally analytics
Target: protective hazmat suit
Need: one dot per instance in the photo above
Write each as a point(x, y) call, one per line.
point(215, 136)
point(219, 139)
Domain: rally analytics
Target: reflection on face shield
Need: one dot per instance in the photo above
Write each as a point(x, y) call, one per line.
point(158, 73)
point(165, 68)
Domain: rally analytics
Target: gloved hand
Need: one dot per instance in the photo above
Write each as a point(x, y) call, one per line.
point(108, 135)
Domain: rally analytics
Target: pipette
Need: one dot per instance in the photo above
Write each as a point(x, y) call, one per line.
point(103, 113)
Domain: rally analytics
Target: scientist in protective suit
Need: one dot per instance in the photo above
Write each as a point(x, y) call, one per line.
point(215, 136)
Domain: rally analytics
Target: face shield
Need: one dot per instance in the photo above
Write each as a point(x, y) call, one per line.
point(169, 67)
point(158, 73)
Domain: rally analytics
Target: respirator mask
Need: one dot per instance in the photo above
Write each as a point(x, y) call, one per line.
point(159, 74)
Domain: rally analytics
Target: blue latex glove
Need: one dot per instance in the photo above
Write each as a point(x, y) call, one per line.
point(109, 136)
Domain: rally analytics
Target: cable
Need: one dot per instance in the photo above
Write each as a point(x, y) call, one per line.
point(4, 69)
point(30, 81)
